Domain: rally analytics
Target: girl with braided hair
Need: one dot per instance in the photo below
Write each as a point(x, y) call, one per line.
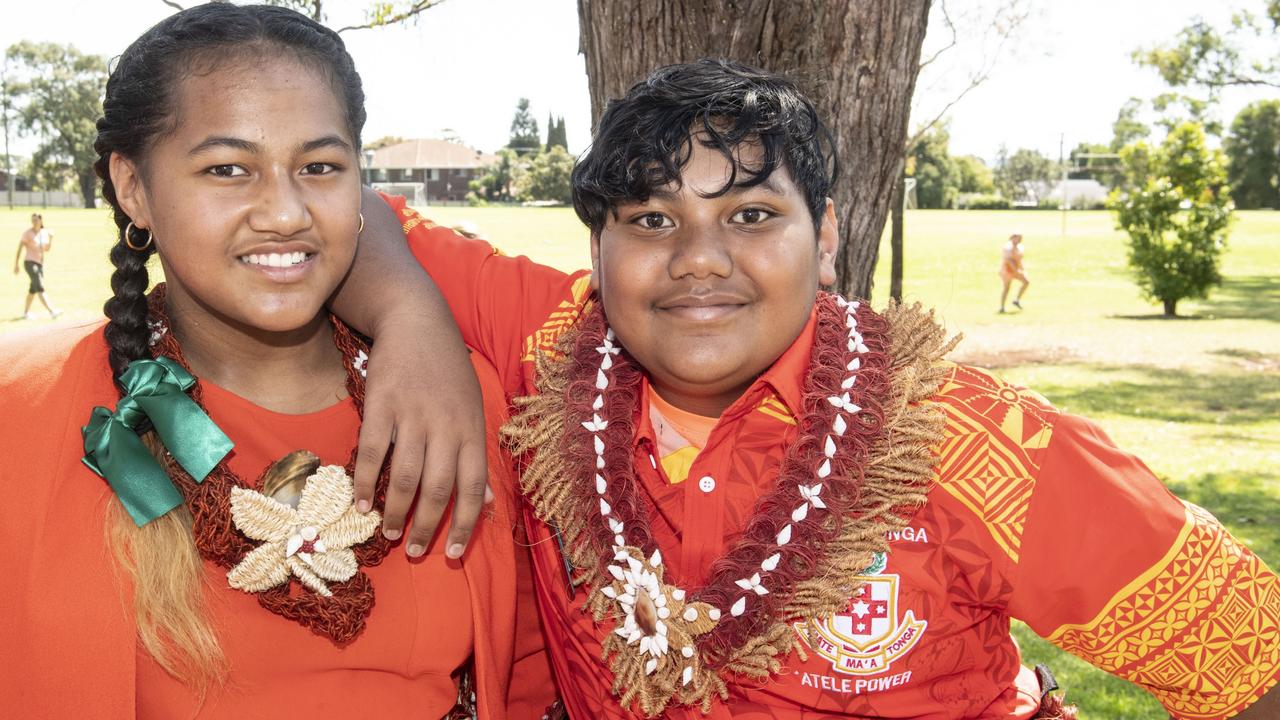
point(225, 569)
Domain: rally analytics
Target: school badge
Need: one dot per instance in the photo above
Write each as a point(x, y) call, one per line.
point(868, 635)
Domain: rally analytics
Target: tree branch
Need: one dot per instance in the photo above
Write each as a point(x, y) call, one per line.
point(417, 7)
point(1016, 17)
point(946, 16)
point(173, 5)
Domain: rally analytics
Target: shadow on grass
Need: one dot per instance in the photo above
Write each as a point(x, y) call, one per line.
point(1249, 506)
point(1253, 297)
point(1224, 398)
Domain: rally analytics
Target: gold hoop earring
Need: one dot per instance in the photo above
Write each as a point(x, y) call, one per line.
point(128, 231)
point(361, 228)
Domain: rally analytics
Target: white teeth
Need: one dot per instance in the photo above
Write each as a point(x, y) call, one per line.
point(275, 259)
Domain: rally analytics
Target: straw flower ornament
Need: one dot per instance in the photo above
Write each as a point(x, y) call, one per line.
point(311, 542)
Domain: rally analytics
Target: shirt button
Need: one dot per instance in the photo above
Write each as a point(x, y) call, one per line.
point(707, 484)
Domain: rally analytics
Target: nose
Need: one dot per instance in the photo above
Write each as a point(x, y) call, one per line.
point(701, 251)
point(281, 208)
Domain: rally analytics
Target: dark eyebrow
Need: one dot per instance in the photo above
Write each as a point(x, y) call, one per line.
point(328, 141)
point(209, 143)
point(217, 141)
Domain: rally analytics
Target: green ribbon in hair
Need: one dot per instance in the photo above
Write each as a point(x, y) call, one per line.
point(155, 391)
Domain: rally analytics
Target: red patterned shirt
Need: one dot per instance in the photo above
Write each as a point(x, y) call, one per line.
point(1034, 515)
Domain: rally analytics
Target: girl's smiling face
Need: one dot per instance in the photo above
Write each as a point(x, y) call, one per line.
point(253, 197)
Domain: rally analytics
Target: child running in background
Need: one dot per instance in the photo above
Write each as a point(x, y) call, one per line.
point(35, 241)
point(1011, 269)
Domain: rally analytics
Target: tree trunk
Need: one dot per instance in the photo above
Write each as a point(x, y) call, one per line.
point(88, 188)
point(1170, 307)
point(857, 59)
point(896, 212)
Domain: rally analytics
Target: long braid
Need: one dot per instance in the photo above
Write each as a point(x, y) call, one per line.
point(126, 332)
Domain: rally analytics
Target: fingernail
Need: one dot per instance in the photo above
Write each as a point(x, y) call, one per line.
point(455, 550)
point(362, 506)
point(391, 534)
point(415, 550)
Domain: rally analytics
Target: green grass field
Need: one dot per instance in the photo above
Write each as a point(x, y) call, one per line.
point(1197, 397)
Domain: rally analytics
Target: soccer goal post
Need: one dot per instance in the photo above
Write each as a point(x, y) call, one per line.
point(413, 193)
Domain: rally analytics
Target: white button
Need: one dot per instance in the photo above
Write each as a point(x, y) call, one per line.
point(707, 484)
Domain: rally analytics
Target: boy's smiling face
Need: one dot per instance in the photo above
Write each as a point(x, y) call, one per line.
point(706, 292)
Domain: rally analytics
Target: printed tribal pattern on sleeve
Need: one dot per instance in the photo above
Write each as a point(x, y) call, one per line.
point(995, 441)
point(1210, 667)
point(544, 339)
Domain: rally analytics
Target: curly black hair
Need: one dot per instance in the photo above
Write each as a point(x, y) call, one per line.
point(644, 140)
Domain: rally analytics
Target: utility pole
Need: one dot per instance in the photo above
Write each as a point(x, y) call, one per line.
point(1062, 162)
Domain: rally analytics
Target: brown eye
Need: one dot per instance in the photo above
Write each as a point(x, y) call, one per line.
point(751, 216)
point(654, 221)
point(226, 171)
point(318, 168)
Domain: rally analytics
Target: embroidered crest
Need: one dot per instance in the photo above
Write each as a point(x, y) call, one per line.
point(868, 635)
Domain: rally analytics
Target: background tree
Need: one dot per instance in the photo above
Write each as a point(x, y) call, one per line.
point(497, 184)
point(525, 137)
point(1128, 129)
point(974, 175)
point(377, 14)
point(1208, 58)
point(1177, 220)
point(548, 177)
point(1024, 175)
point(935, 171)
point(557, 136)
point(858, 60)
point(58, 93)
point(1253, 156)
point(384, 141)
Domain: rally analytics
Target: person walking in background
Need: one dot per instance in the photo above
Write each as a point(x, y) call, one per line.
point(36, 240)
point(1011, 269)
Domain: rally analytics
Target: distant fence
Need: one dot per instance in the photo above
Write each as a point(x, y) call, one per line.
point(51, 198)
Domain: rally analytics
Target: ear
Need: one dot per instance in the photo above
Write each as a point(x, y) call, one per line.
point(828, 246)
point(130, 193)
point(595, 261)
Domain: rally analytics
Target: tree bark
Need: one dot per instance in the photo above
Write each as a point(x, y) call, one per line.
point(88, 187)
point(857, 59)
point(1170, 307)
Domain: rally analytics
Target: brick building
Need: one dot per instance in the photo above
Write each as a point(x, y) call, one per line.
point(443, 170)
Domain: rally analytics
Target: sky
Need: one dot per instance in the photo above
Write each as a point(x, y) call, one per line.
point(466, 63)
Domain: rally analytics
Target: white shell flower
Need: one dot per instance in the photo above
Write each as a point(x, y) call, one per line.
point(844, 403)
point(810, 493)
point(752, 583)
point(312, 542)
point(642, 602)
point(360, 363)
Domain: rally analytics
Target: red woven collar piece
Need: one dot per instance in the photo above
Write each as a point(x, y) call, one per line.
point(341, 617)
point(783, 542)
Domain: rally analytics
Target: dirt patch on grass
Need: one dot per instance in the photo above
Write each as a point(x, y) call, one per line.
point(1000, 358)
point(1250, 360)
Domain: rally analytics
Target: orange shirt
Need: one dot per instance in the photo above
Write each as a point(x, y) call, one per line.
point(1025, 519)
point(418, 635)
point(69, 641)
